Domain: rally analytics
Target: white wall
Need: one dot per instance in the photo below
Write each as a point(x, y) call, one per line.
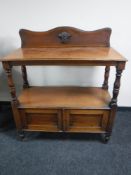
point(85, 14)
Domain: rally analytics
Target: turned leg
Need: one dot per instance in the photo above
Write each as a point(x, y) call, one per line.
point(24, 75)
point(113, 104)
point(15, 102)
point(106, 77)
point(116, 88)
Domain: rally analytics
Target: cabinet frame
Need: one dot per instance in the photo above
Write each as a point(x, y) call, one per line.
point(65, 46)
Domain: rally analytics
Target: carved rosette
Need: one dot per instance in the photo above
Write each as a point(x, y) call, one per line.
point(64, 37)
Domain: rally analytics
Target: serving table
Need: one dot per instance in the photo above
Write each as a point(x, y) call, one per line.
point(65, 109)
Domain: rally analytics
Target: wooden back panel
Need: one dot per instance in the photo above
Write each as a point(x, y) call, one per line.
point(65, 37)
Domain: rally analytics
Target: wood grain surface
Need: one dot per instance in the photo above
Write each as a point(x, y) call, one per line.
point(74, 53)
point(64, 97)
point(78, 38)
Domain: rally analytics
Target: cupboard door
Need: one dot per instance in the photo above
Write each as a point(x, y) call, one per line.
point(41, 119)
point(85, 120)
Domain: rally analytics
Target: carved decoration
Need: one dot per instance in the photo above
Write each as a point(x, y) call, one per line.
point(64, 37)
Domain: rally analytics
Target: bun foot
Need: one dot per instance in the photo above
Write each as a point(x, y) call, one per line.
point(21, 135)
point(106, 137)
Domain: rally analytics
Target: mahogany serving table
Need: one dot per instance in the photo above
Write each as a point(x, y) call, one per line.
point(65, 109)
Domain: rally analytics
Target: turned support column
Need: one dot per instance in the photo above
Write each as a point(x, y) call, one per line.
point(116, 88)
point(8, 70)
point(24, 75)
point(113, 104)
point(106, 77)
point(15, 102)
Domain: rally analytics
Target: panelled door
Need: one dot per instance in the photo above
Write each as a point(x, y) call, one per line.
point(41, 119)
point(85, 120)
point(68, 120)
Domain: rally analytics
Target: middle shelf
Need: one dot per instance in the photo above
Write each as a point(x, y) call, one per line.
point(65, 97)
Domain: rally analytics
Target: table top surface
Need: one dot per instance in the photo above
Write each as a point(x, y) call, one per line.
point(63, 54)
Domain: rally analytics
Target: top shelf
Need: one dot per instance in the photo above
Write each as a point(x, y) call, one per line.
point(76, 54)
